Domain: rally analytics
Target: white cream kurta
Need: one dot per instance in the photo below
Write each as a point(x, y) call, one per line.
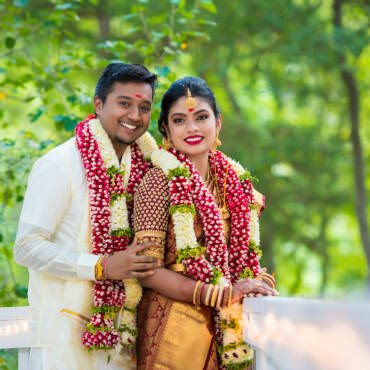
point(54, 242)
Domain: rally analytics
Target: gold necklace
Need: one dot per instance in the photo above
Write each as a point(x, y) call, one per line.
point(225, 214)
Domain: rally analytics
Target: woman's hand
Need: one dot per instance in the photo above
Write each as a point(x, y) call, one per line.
point(253, 287)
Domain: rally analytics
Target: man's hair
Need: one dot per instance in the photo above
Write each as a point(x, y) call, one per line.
point(122, 72)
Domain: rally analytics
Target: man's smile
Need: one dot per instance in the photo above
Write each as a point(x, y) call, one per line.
point(128, 126)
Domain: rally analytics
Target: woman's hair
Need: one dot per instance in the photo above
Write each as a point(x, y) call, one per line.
point(179, 88)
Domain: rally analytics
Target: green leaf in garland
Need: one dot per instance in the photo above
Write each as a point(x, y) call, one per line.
point(189, 252)
point(177, 172)
point(217, 275)
point(247, 273)
point(182, 208)
point(247, 175)
point(122, 232)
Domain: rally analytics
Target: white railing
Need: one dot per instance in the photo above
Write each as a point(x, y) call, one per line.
point(294, 333)
point(14, 332)
point(287, 333)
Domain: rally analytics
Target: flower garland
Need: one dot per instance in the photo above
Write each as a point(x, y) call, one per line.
point(110, 186)
point(224, 264)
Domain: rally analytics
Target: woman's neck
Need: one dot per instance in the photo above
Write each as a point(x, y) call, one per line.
point(201, 164)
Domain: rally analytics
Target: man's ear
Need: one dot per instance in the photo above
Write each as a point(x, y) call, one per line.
point(98, 105)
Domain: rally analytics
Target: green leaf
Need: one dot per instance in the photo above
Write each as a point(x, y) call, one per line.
point(10, 42)
point(21, 291)
point(208, 23)
point(175, 2)
point(45, 143)
point(65, 6)
point(208, 5)
point(36, 115)
point(20, 3)
point(128, 16)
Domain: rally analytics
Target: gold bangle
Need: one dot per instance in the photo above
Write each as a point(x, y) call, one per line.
point(208, 295)
point(230, 295)
point(195, 292)
point(99, 269)
point(268, 279)
point(219, 297)
point(198, 297)
point(214, 296)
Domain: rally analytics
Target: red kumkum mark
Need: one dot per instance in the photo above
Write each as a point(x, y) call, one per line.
point(139, 96)
point(191, 110)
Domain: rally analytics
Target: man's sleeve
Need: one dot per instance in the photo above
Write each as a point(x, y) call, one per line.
point(46, 200)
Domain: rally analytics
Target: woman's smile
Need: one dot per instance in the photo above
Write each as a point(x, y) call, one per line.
point(194, 139)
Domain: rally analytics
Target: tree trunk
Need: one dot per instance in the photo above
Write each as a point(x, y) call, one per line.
point(103, 20)
point(323, 245)
point(267, 246)
point(349, 81)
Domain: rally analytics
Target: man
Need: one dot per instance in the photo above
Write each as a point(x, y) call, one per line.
point(74, 227)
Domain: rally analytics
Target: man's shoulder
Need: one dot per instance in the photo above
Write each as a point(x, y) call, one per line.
point(66, 151)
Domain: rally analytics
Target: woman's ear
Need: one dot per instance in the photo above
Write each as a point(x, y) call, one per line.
point(219, 122)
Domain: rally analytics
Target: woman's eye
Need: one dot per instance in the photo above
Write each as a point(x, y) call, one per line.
point(124, 103)
point(202, 117)
point(178, 120)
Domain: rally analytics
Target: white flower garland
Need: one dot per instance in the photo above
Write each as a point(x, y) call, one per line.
point(119, 220)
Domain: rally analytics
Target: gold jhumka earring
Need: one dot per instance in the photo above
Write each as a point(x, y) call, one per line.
point(216, 143)
point(167, 143)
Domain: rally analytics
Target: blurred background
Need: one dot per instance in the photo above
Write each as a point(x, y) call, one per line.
point(292, 80)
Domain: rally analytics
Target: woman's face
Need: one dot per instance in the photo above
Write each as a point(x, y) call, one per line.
point(192, 132)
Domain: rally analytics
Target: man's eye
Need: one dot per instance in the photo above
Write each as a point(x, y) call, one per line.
point(145, 109)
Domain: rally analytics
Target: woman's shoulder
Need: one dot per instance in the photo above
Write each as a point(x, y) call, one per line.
point(154, 182)
point(155, 174)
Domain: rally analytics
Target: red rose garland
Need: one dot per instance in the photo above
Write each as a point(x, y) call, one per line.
point(231, 260)
point(234, 260)
point(104, 185)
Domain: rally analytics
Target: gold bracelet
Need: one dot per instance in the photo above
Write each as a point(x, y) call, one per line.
point(198, 297)
point(230, 295)
point(221, 292)
point(195, 292)
point(208, 295)
point(268, 279)
point(214, 296)
point(99, 268)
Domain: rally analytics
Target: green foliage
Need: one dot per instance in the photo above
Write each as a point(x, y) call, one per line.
point(275, 71)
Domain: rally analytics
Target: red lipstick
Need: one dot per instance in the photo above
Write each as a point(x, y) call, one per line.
point(193, 140)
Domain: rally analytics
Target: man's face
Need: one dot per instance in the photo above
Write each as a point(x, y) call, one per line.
point(125, 114)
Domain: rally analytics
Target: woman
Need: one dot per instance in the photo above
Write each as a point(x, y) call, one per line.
point(199, 213)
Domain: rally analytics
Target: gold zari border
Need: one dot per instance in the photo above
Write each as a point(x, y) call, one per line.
point(154, 233)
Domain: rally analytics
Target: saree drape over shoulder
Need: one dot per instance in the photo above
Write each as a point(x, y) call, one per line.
point(172, 334)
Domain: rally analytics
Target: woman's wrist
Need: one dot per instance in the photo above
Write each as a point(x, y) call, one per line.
point(237, 294)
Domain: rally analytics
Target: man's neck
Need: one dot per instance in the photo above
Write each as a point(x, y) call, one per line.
point(119, 149)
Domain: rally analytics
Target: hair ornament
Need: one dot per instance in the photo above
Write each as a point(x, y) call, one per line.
point(190, 102)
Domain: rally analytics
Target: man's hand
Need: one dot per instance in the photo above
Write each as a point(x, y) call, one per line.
point(127, 264)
